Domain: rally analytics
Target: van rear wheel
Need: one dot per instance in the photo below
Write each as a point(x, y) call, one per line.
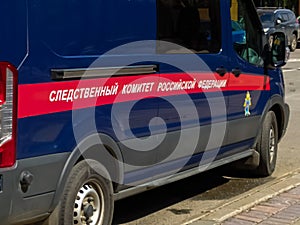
point(87, 197)
point(267, 146)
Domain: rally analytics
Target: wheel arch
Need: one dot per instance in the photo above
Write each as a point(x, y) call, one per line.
point(296, 33)
point(277, 105)
point(110, 157)
point(279, 113)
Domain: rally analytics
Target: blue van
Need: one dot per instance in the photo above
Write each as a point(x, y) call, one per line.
point(101, 100)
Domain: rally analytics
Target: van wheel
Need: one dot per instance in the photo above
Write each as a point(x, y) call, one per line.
point(87, 197)
point(294, 43)
point(267, 146)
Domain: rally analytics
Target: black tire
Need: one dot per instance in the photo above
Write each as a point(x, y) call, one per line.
point(86, 196)
point(294, 43)
point(267, 146)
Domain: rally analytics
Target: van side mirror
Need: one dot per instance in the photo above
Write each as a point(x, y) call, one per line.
point(279, 52)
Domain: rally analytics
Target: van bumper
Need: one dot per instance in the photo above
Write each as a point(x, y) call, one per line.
point(19, 207)
point(6, 194)
point(14, 208)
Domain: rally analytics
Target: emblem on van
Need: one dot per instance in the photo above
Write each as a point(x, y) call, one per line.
point(247, 104)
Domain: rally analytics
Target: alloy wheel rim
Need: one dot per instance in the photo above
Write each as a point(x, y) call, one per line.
point(294, 43)
point(272, 145)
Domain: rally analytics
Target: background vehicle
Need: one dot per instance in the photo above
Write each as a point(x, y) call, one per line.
point(283, 20)
point(93, 112)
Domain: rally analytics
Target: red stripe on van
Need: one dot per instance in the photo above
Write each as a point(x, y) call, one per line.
point(53, 97)
point(248, 83)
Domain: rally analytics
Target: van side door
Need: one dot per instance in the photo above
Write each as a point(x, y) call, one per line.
point(192, 107)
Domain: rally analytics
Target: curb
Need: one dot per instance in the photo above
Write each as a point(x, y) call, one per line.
point(248, 200)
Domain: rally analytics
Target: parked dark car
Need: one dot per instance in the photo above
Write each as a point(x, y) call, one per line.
point(284, 20)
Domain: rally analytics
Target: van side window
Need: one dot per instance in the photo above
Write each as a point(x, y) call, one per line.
point(191, 24)
point(246, 32)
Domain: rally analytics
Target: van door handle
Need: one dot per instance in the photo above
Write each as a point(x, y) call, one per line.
point(236, 72)
point(221, 71)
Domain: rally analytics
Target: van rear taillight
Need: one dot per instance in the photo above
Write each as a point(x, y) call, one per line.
point(8, 103)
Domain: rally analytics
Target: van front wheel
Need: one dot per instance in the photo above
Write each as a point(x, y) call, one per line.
point(267, 146)
point(87, 197)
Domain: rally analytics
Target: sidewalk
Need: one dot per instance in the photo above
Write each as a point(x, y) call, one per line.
point(276, 203)
point(281, 209)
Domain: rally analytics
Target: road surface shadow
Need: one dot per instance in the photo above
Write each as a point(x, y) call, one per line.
point(218, 184)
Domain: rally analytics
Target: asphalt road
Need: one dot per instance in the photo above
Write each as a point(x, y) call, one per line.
point(187, 200)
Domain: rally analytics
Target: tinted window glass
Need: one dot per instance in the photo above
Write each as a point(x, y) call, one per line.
point(291, 16)
point(266, 17)
point(279, 16)
point(191, 24)
point(247, 41)
point(285, 17)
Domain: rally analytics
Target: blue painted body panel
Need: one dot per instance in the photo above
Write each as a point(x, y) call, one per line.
point(13, 38)
point(176, 165)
